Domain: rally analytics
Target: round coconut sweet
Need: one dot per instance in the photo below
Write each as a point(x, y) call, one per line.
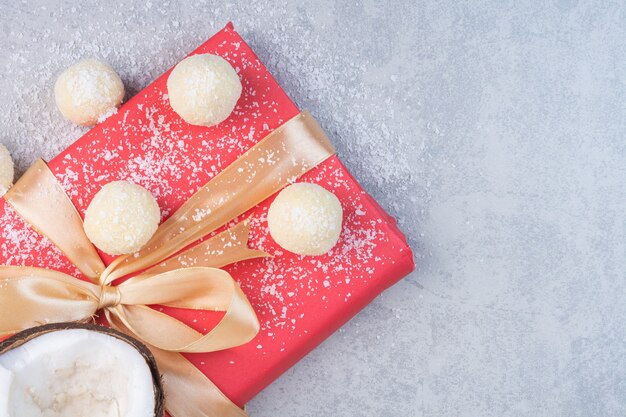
point(69, 369)
point(88, 91)
point(6, 169)
point(121, 218)
point(203, 89)
point(305, 219)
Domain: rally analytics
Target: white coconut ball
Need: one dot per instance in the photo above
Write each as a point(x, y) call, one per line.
point(6, 170)
point(203, 89)
point(305, 219)
point(121, 218)
point(88, 91)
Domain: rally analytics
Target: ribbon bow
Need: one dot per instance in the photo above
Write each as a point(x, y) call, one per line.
point(168, 274)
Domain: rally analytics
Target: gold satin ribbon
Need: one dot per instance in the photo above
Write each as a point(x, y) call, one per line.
point(167, 274)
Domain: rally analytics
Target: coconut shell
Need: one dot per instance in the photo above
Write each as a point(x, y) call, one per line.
point(24, 336)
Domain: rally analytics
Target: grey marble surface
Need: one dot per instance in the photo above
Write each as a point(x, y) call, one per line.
point(495, 131)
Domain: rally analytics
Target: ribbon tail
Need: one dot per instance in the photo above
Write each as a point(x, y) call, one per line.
point(188, 393)
point(39, 199)
point(225, 248)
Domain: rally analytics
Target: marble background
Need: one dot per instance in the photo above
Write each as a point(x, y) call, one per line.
point(493, 130)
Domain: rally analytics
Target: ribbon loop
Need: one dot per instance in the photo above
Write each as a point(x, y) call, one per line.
point(33, 296)
point(209, 289)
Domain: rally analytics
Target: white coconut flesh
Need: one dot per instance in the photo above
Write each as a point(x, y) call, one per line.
point(75, 373)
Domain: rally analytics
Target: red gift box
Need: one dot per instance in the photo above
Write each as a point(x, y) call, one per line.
point(299, 300)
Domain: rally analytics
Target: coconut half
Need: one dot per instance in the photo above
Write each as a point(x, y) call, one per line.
point(77, 370)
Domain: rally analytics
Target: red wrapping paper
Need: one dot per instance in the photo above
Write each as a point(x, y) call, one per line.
point(299, 300)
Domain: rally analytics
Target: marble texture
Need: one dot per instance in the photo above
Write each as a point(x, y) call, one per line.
point(493, 130)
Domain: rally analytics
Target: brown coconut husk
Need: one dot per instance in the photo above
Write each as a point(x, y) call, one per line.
point(24, 336)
